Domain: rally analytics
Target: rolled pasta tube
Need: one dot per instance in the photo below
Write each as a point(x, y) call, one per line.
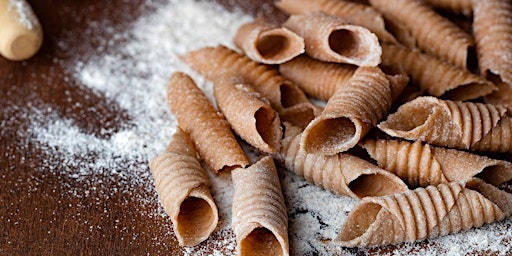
point(462, 125)
point(248, 113)
point(434, 34)
point(351, 112)
point(423, 165)
point(463, 7)
point(260, 220)
point(354, 13)
point(266, 43)
point(330, 38)
point(423, 213)
point(342, 174)
point(316, 78)
point(436, 77)
point(209, 131)
point(183, 187)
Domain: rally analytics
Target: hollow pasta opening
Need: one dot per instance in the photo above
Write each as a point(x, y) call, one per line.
point(359, 220)
point(495, 174)
point(265, 124)
point(195, 218)
point(410, 116)
point(468, 91)
point(290, 95)
point(345, 42)
point(270, 46)
point(330, 133)
point(375, 185)
point(260, 241)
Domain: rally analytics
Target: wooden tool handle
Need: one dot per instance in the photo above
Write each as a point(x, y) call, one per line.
point(21, 34)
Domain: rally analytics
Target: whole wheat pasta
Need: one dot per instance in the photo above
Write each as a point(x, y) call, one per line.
point(463, 7)
point(351, 112)
point(260, 220)
point(461, 125)
point(401, 32)
point(209, 131)
point(502, 96)
point(434, 34)
point(266, 43)
point(330, 38)
point(436, 77)
point(423, 165)
point(354, 13)
point(182, 185)
point(316, 78)
point(424, 213)
point(342, 174)
point(248, 113)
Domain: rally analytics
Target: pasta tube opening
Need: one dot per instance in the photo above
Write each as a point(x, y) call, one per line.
point(359, 222)
point(260, 241)
point(376, 184)
point(347, 43)
point(265, 119)
point(194, 220)
point(409, 119)
point(273, 46)
point(496, 174)
point(330, 135)
point(290, 95)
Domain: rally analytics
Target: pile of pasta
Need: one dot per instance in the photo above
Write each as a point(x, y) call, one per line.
point(420, 172)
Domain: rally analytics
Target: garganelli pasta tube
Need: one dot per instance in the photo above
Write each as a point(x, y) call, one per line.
point(342, 174)
point(330, 38)
point(424, 213)
point(316, 78)
point(423, 165)
point(434, 34)
point(267, 43)
point(352, 111)
point(209, 131)
point(183, 187)
point(260, 220)
point(462, 125)
point(436, 77)
point(463, 7)
point(248, 113)
point(354, 13)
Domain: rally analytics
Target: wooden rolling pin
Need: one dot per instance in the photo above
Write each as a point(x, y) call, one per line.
point(21, 34)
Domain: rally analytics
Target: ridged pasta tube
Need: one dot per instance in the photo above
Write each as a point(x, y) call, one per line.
point(424, 213)
point(260, 217)
point(463, 7)
point(454, 124)
point(209, 131)
point(423, 165)
point(182, 185)
point(342, 174)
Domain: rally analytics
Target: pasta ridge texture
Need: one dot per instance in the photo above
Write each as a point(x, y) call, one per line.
point(463, 7)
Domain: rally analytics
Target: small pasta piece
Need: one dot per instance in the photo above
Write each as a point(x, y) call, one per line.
point(352, 111)
point(183, 187)
point(434, 34)
point(423, 165)
point(423, 213)
point(248, 113)
point(436, 77)
point(260, 220)
point(463, 7)
point(316, 78)
point(266, 43)
point(342, 174)
point(209, 131)
point(354, 13)
point(332, 39)
point(462, 125)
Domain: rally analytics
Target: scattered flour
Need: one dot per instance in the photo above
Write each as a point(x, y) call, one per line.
point(135, 76)
point(25, 13)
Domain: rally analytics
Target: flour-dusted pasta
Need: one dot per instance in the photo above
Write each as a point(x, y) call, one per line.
point(463, 7)
point(423, 165)
point(354, 13)
point(249, 114)
point(455, 124)
point(424, 213)
point(267, 43)
point(352, 111)
point(434, 34)
point(260, 220)
point(330, 38)
point(316, 78)
point(209, 131)
point(342, 174)
point(436, 77)
point(183, 187)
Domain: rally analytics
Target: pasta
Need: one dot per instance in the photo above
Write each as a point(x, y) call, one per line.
point(182, 185)
point(250, 116)
point(342, 174)
point(461, 125)
point(424, 213)
point(354, 13)
point(209, 131)
point(423, 165)
point(352, 111)
point(463, 7)
point(330, 38)
point(260, 219)
point(434, 34)
point(266, 43)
